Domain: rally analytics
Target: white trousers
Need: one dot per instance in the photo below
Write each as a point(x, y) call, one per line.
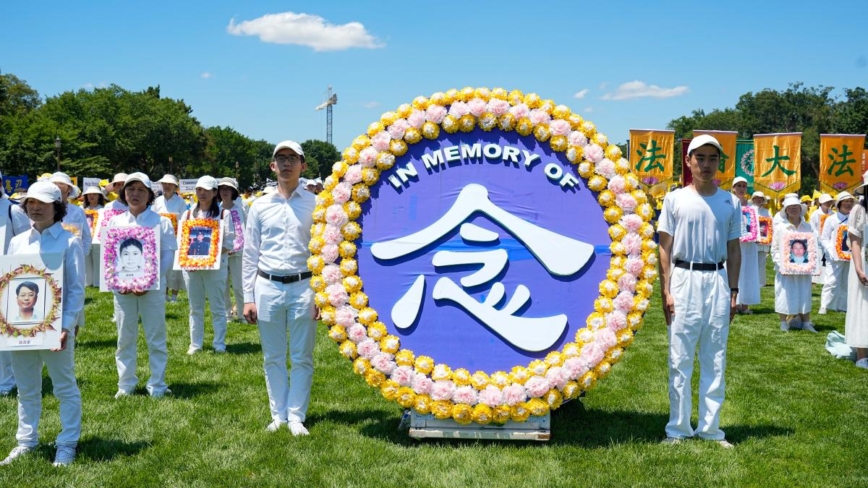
point(174, 280)
point(7, 378)
point(235, 281)
point(761, 261)
point(286, 309)
point(702, 305)
point(61, 369)
point(152, 308)
point(834, 296)
point(91, 266)
point(211, 284)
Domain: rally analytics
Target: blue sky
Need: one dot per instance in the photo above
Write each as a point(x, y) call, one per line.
point(620, 64)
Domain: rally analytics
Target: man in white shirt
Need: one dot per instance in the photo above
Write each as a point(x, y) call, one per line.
point(699, 230)
point(13, 221)
point(277, 295)
point(171, 203)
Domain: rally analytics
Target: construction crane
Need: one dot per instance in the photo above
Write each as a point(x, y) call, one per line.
point(331, 99)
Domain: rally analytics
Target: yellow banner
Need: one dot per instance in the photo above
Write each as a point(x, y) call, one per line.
point(726, 167)
point(777, 163)
point(840, 161)
point(651, 155)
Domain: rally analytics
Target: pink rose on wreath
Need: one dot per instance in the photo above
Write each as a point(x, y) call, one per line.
point(332, 234)
point(435, 113)
point(519, 111)
point(368, 157)
point(336, 217)
point(368, 348)
point(422, 384)
point(627, 202)
point(498, 107)
point(357, 333)
point(554, 377)
point(617, 184)
point(383, 363)
point(330, 253)
point(538, 117)
point(398, 128)
point(459, 109)
point(594, 153)
point(605, 338)
point(514, 394)
point(627, 282)
point(592, 354)
point(464, 394)
point(616, 320)
point(623, 302)
point(632, 222)
point(560, 127)
point(342, 192)
point(403, 375)
point(577, 138)
point(477, 107)
point(353, 174)
point(442, 390)
point(331, 273)
point(575, 368)
point(381, 141)
point(338, 295)
point(632, 242)
point(491, 396)
point(537, 386)
point(345, 316)
point(605, 168)
point(416, 118)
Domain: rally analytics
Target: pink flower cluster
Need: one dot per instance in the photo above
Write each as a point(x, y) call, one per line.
point(146, 236)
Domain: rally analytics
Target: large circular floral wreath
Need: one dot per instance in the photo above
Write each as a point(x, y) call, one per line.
point(50, 317)
point(421, 383)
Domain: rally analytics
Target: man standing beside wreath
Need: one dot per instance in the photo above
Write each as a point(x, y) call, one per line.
point(699, 231)
point(276, 283)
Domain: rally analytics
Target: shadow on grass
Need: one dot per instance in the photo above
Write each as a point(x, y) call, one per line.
point(104, 450)
point(97, 344)
point(191, 390)
point(571, 425)
point(244, 348)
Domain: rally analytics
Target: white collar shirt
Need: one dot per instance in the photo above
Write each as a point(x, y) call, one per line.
point(76, 218)
point(56, 239)
point(277, 236)
point(175, 205)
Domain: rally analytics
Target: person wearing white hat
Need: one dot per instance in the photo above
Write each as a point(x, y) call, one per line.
point(171, 203)
point(759, 200)
point(13, 221)
point(228, 197)
point(748, 277)
point(75, 221)
point(94, 200)
point(792, 292)
point(211, 283)
point(277, 293)
point(779, 217)
point(856, 322)
point(149, 304)
point(825, 208)
point(46, 206)
point(113, 187)
point(834, 295)
point(699, 230)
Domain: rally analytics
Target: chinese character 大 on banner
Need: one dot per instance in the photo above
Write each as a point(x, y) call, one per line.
point(777, 163)
point(840, 161)
point(652, 155)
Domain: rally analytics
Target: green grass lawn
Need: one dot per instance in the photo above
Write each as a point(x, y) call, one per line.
point(797, 416)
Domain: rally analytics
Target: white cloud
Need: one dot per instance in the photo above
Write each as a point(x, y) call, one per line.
point(305, 30)
point(603, 85)
point(640, 89)
point(371, 104)
point(581, 93)
point(588, 110)
point(206, 75)
point(91, 86)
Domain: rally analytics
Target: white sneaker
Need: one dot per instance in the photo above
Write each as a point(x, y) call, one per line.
point(725, 444)
point(65, 456)
point(822, 311)
point(16, 453)
point(809, 327)
point(193, 350)
point(275, 425)
point(297, 428)
point(785, 327)
point(862, 363)
point(121, 394)
point(161, 394)
point(671, 441)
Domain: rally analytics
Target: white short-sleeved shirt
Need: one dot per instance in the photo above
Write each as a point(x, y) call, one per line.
point(700, 226)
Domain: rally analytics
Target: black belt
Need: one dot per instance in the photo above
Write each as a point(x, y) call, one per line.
point(698, 266)
point(286, 279)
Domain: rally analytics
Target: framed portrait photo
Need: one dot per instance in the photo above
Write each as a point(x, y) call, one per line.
point(798, 253)
point(173, 219)
point(842, 243)
point(766, 231)
point(199, 245)
point(749, 224)
point(31, 287)
point(130, 260)
point(105, 215)
point(92, 217)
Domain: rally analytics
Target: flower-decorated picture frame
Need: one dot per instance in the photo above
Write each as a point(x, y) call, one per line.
point(72, 229)
point(173, 219)
point(199, 245)
point(31, 309)
point(798, 253)
point(823, 218)
point(105, 216)
point(842, 243)
point(92, 217)
point(238, 243)
point(380, 352)
point(749, 224)
point(766, 231)
point(130, 261)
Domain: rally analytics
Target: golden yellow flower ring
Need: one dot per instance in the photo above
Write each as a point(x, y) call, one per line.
point(500, 396)
point(50, 317)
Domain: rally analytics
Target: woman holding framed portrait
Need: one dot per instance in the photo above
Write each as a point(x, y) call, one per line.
point(94, 201)
point(856, 322)
point(46, 207)
point(793, 291)
point(834, 296)
point(207, 283)
point(138, 279)
point(759, 202)
point(228, 197)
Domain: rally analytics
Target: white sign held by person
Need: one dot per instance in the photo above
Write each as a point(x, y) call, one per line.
point(188, 186)
point(31, 309)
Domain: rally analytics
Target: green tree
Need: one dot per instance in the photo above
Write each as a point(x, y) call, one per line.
point(324, 153)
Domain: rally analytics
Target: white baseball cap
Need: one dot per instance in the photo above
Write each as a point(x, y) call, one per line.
point(93, 190)
point(64, 178)
point(759, 194)
point(117, 181)
point(288, 145)
point(207, 182)
point(844, 195)
point(169, 179)
point(230, 182)
point(140, 177)
point(703, 140)
point(44, 191)
point(826, 198)
point(739, 179)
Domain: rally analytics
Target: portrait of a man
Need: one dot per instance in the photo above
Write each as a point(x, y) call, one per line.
point(131, 259)
point(200, 241)
point(26, 301)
